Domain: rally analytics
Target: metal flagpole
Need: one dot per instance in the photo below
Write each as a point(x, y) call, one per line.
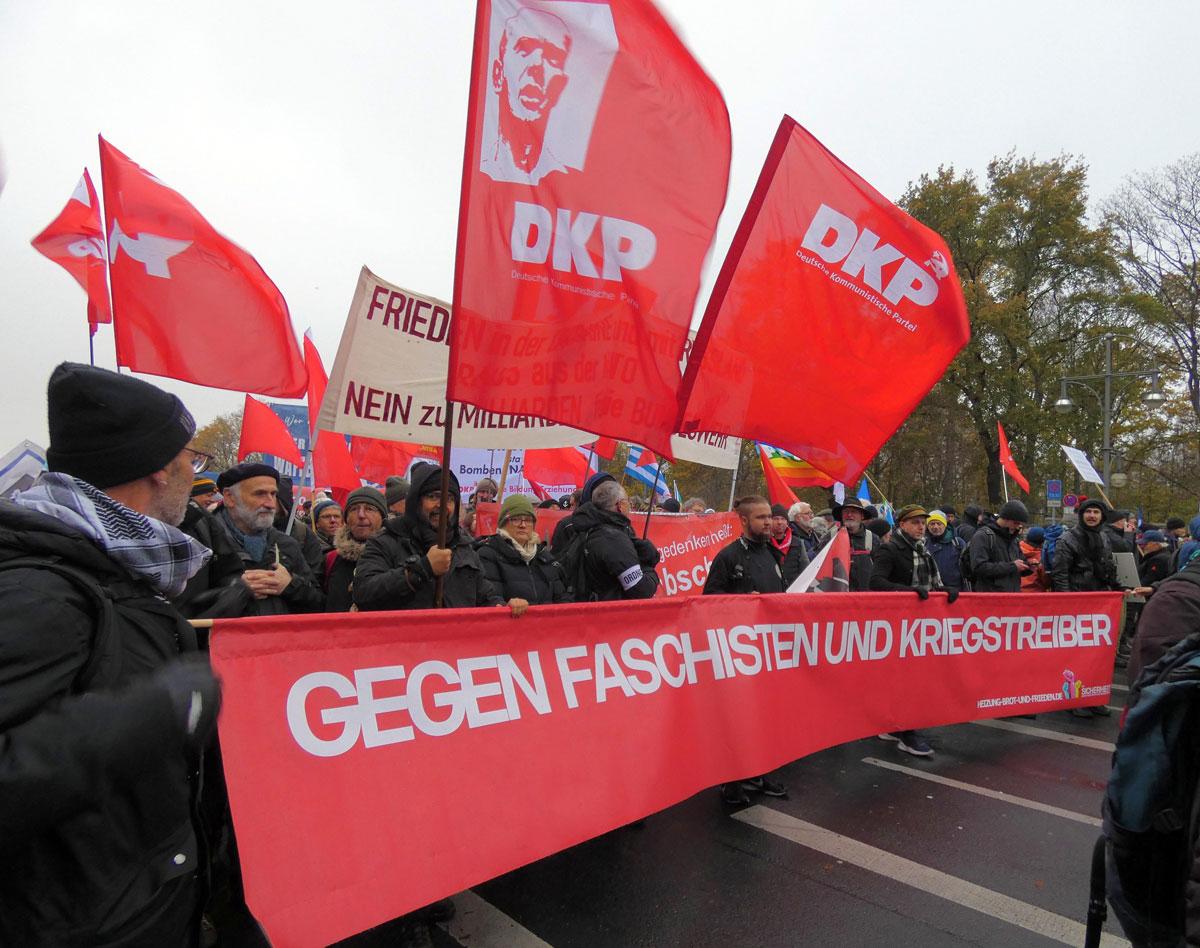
point(733, 484)
point(653, 494)
point(1004, 481)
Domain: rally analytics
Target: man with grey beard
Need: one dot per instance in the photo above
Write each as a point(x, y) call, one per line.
point(275, 569)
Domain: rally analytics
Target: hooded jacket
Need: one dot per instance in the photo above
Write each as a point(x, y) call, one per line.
point(1083, 557)
point(538, 581)
point(394, 571)
point(565, 531)
point(340, 563)
point(993, 551)
point(100, 841)
point(616, 564)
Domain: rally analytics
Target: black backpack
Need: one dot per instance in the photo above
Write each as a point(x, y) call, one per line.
point(1151, 805)
point(964, 565)
point(571, 558)
point(104, 644)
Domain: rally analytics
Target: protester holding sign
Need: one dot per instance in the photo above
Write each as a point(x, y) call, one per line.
point(399, 568)
point(750, 564)
point(516, 562)
point(614, 563)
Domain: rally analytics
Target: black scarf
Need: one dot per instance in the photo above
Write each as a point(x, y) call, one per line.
point(427, 478)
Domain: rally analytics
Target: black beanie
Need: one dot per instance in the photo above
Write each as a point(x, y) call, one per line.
point(1014, 510)
point(778, 510)
point(110, 429)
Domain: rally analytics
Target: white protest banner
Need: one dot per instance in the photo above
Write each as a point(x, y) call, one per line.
point(1083, 465)
point(389, 379)
point(713, 450)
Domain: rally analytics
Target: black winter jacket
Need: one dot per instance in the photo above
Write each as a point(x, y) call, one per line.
point(1155, 567)
point(394, 573)
point(100, 843)
point(1075, 570)
point(1170, 615)
point(892, 565)
point(216, 591)
point(616, 563)
point(303, 593)
point(539, 581)
point(746, 567)
point(992, 552)
point(793, 561)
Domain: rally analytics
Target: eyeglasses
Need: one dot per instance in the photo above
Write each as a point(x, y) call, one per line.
point(523, 519)
point(200, 460)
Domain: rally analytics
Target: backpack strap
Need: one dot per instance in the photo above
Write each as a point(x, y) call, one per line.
point(105, 612)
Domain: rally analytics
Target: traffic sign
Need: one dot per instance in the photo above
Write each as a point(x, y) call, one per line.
point(1054, 490)
point(1070, 501)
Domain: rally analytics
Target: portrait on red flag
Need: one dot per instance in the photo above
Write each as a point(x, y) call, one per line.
point(586, 214)
point(545, 53)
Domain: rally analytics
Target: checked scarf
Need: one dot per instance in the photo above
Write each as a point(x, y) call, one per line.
point(925, 572)
point(162, 555)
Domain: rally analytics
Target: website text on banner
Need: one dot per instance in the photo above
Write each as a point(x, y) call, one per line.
point(596, 165)
point(389, 379)
point(687, 543)
point(372, 734)
point(823, 257)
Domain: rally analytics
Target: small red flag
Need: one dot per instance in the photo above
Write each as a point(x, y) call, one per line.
point(377, 460)
point(778, 491)
point(75, 241)
point(647, 458)
point(333, 465)
point(189, 303)
point(822, 257)
point(557, 468)
point(605, 447)
point(265, 432)
point(596, 166)
point(1007, 462)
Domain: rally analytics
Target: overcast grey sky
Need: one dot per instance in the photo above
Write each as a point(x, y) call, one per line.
point(322, 137)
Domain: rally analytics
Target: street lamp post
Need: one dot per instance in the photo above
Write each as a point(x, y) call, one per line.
point(1064, 403)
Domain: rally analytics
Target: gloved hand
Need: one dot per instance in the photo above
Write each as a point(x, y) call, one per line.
point(951, 594)
point(647, 553)
point(922, 593)
point(195, 696)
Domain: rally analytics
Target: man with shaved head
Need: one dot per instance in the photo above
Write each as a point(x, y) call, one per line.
point(528, 78)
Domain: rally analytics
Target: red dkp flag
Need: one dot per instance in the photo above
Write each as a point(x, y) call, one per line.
point(823, 258)
point(189, 303)
point(1007, 462)
point(596, 165)
point(265, 432)
point(75, 241)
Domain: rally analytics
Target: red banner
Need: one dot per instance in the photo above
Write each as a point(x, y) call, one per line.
point(188, 302)
point(377, 761)
point(75, 241)
point(687, 542)
point(1007, 461)
point(596, 165)
point(824, 260)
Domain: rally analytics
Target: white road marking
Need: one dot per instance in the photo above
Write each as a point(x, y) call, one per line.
point(985, 792)
point(1117, 687)
point(1047, 734)
point(933, 881)
point(479, 924)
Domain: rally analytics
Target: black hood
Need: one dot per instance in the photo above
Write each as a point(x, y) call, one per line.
point(591, 484)
point(427, 479)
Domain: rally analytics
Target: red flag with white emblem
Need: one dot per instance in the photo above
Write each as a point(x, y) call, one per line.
point(1007, 462)
point(596, 165)
point(189, 303)
point(823, 260)
point(75, 241)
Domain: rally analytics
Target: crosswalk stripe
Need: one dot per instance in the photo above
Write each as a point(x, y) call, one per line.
point(1047, 734)
point(480, 924)
point(933, 881)
point(985, 791)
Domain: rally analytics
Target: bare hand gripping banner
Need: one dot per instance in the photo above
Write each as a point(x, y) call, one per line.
point(379, 761)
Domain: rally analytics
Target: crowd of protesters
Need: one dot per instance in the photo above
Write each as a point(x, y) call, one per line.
point(107, 703)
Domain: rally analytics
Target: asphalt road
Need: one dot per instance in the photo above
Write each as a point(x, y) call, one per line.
point(986, 843)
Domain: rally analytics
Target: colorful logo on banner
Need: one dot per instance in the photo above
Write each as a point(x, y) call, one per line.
point(1072, 688)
